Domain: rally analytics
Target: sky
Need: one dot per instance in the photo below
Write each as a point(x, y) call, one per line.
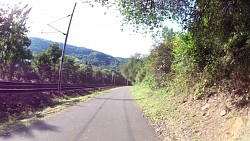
point(90, 27)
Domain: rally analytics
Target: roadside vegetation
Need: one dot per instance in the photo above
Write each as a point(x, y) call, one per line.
point(200, 74)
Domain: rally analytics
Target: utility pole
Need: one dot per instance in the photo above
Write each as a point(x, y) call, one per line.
point(112, 78)
point(63, 52)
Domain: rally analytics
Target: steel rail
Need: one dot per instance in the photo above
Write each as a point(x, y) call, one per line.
point(40, 89)
point(23, 87)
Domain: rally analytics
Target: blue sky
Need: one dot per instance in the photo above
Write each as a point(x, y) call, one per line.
point(90, 28)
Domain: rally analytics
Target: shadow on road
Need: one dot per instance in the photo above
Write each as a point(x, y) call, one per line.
point(92, 118)
point(27, 131)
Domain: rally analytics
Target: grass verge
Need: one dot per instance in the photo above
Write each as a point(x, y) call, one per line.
point(67, 101)
point(158, 107)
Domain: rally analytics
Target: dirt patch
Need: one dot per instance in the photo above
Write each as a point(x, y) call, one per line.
point(21, 104)
point(216, 118)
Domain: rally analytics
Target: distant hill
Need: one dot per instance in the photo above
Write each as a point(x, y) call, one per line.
point(82, 54)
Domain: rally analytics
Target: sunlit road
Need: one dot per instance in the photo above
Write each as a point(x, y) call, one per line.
point(110, 117)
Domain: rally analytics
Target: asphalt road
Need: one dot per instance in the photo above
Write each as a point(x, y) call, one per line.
point(110, 117)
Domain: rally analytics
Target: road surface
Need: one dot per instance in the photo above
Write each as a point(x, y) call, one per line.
point(110, 117)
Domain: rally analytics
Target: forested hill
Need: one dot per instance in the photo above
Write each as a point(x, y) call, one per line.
point(82, 54)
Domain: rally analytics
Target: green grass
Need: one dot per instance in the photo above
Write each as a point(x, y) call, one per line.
point(154, 104)
point(160, 108)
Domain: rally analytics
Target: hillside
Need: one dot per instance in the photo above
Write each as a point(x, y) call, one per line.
point(82, 54)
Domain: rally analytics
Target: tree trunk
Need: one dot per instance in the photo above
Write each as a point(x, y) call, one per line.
point(11, 72)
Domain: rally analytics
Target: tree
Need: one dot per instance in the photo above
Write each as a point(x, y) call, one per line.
point(119, 79)
point(87, 74)
point(54, 52)
point(98, 76)
point(70, 68)
point(106, 76)
point(153, 12)
point(130, 69)
point(214, 52)
point(26, 73)
point(216, 17)
point(14, 42)
point(43, 65)
point(47, 63)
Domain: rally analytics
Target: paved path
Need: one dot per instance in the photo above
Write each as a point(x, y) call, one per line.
point(110, 117)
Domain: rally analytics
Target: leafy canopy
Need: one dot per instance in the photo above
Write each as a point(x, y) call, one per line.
point(14, 42)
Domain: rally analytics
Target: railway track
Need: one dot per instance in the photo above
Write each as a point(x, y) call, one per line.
point(21, 87)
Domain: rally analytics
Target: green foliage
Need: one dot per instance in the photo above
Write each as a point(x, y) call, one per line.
point(43, 65)
point(213, 56)
point(81, 54)
point(181, 66)
point(17, 62)
point(47, 63)
point(130, 69)
point(152, 13)
point(55, 53)
point(221, 37)
point(69, 70)
point(107, 76)
point(14, 52)
point(86, 72)
point(47, 66)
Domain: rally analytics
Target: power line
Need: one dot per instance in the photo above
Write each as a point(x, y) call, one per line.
point(56, 29)
point(49, 24)
point(60, 19)
point(48, 32)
